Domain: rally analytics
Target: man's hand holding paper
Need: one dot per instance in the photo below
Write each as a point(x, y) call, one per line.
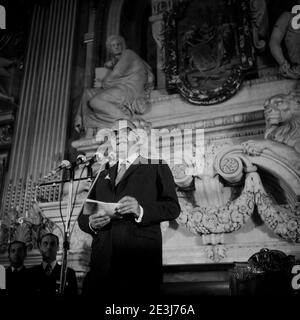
point(105, 208)
point(98, 220)
point(129, 205)
point(100, 213)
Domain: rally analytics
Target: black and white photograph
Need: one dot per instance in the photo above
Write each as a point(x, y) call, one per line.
point(149, 154)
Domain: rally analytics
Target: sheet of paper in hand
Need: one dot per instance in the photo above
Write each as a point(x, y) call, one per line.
point(101, 73)
point(109, 208)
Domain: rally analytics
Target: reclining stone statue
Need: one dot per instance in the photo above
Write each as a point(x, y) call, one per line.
point(122, 93)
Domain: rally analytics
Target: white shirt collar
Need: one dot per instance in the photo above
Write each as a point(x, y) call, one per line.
point(129, 161)
point(18, 269)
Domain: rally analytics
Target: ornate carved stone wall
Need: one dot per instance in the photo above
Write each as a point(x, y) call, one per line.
point(224, 225)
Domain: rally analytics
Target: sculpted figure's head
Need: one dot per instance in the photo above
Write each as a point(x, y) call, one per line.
point(282, 108)
point(282, 113)
point(115, 44)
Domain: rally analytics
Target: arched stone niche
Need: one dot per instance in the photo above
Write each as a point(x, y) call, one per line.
point(130, 19)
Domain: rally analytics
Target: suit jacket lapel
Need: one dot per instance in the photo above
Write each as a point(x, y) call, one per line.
point(112, 174)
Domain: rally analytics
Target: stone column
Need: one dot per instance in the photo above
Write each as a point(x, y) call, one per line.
point(42, 118)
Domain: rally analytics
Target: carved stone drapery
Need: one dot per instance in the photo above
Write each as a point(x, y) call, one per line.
point(260, 23)
point(158, 33)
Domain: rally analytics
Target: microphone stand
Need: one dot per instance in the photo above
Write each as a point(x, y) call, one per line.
point(66, 236)
point(66, 231)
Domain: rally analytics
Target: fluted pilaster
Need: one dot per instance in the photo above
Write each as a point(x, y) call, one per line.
point(42, 118)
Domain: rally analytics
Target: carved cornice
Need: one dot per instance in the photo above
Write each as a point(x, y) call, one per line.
point(255, 118)
point(225, 253)
point(251, 97)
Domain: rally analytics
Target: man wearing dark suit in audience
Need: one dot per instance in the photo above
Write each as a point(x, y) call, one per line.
point(46, 276)
point(17, 276)
point(126, 258)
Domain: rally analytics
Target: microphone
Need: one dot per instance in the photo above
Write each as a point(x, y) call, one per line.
point(65, 164)
point(80, 159)
point(97, 157)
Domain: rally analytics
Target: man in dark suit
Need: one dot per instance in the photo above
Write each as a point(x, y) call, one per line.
point(126, 258)
point(17, 276)
point(46, 276)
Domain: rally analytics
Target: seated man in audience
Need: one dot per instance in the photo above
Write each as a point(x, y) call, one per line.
point(17, 275)
point(46, 276)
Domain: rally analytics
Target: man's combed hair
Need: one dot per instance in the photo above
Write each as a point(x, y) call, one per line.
point(49, 234)
point(17, 241)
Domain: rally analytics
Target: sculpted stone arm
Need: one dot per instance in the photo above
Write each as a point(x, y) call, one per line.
point(277, 36)
point(288, 61)
point(257, 147)
point(280, 149)
point(121, 67)
point(109, 64)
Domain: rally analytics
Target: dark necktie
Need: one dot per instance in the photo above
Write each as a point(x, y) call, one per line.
point(121, 171)
point(48, 269)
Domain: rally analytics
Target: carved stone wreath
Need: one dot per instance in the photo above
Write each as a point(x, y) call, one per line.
point(228, 218)
point(231, 164)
